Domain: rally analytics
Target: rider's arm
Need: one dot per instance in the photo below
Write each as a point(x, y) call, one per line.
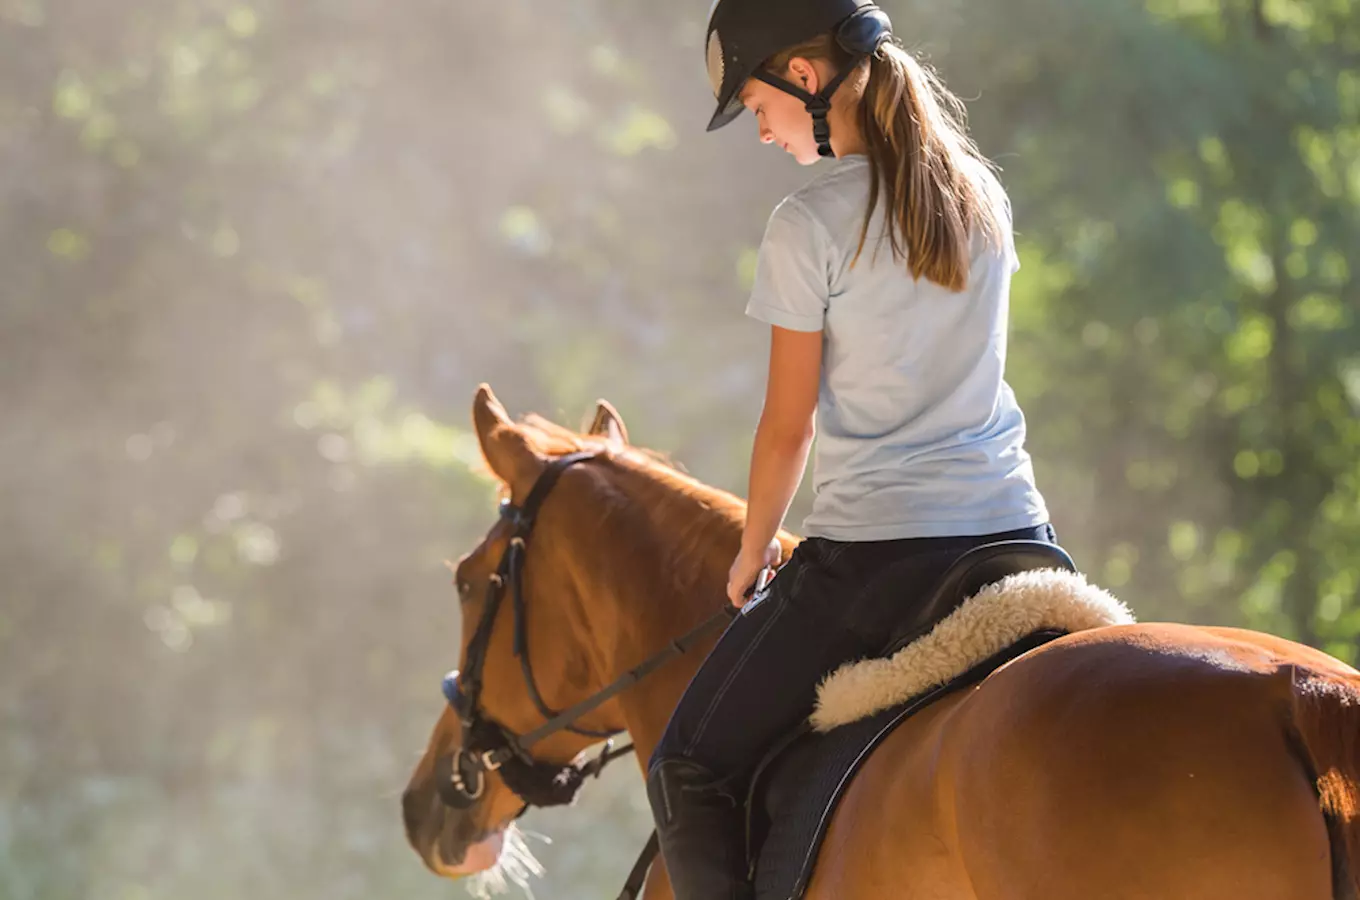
point(784, 435)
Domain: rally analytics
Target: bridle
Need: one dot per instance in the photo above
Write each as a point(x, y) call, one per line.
point(489, 746)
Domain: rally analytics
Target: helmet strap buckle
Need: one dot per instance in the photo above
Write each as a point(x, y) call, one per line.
point(818, 105)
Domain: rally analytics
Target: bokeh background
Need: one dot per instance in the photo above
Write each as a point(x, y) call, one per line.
point(255, 257)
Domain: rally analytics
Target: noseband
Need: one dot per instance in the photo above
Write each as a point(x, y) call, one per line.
point(489, 746)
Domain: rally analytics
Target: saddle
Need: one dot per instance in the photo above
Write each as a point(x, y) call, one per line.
point(1027, 592)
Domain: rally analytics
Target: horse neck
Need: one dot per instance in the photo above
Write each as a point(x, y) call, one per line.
point(679, 538)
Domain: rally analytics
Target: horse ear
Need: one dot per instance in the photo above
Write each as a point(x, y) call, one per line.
point(504, 445)
point(608, 424)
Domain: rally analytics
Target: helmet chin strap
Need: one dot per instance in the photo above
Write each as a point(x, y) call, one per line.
point(818, 105)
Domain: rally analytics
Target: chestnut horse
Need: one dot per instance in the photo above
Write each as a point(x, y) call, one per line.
point(1139, 761)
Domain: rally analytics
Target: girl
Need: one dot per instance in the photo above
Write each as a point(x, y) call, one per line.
point(885, 282)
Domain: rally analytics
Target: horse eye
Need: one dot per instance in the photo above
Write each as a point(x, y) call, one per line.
point(463, 587)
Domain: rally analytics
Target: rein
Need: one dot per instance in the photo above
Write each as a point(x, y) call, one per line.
point(489, 746)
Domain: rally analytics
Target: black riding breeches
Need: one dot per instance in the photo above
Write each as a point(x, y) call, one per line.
point(823, 609)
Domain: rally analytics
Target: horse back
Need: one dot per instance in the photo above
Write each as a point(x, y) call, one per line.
point(1108, 755)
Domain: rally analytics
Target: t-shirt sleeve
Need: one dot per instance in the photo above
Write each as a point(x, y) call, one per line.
point(791, 285)
point(1008, 227)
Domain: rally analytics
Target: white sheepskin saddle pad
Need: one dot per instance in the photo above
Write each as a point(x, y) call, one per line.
point(985, 624)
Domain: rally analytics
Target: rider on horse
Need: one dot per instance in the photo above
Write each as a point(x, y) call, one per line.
point(885, 281)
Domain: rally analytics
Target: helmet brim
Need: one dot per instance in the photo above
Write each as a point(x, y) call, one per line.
point(728, 109)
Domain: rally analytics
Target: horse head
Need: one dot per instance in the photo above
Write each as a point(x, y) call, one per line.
point(580, 577)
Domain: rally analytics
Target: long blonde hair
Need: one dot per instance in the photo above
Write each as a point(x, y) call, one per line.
point(921, 159)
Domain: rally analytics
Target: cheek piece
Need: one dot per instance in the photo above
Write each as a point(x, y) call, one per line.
point(862, 34)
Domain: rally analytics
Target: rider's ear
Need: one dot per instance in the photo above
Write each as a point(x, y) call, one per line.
point(801, 71)
point(507, 451)
point(608, 424)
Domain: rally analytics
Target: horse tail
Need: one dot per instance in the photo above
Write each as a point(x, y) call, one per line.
point(1326, 725)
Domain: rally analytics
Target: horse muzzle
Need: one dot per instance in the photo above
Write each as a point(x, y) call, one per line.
point(445, 837)
point(474, 858)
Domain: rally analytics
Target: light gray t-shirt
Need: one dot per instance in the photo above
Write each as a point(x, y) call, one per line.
point(918, 434)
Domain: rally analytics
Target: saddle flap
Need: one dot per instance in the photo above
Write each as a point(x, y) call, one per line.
point(798, 786)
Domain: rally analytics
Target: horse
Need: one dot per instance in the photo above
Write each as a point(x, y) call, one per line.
point(1154, 760)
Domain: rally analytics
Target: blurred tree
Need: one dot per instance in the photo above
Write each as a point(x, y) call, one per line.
point(1187, 178)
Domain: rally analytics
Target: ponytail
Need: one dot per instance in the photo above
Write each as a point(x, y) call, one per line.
point(937, 185)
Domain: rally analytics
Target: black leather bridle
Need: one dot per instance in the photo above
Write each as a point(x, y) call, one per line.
point(489, 746)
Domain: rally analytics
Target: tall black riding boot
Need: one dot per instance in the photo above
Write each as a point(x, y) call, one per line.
point(702, 832)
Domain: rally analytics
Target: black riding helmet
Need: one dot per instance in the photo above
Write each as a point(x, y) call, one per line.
point(743, 34)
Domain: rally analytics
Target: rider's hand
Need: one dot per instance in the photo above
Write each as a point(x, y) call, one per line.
point(747, 567)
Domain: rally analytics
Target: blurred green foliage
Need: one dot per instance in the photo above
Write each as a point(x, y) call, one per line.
point(256, 256)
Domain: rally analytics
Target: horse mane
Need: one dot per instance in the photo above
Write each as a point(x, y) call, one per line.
point(690, 514)
point(549, 439)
